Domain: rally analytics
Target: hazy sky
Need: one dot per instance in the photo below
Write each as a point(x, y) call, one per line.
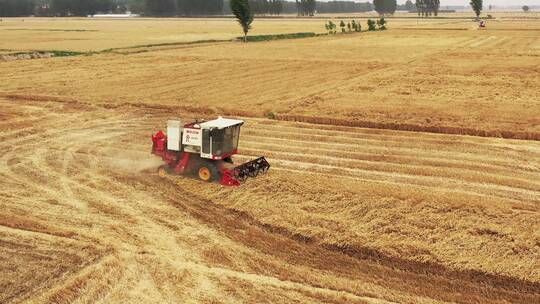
point(487, 2)
point(492, 2)
point(466, 2)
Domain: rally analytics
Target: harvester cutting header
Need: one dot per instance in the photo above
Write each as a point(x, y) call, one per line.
point(205, 148)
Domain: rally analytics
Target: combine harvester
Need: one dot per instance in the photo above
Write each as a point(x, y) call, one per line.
point(205, 148)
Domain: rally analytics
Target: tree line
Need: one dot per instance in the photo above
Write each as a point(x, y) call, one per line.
point(407, 6)
point(182, 7)
point(306, 7)
point(355, 26)
point(260, 7)
point(10, 8)
point(384, 7)
point(427, 8)
point(80, 7)
point(343, 7)
point(13, 8)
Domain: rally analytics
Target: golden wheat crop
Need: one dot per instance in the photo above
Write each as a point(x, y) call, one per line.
point(96, 34)
point(461, 81)
point(87, 34)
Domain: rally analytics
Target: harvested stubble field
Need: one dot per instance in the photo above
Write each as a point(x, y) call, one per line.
point(346, 215)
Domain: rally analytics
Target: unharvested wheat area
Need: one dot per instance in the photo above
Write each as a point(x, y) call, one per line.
point(405, 163)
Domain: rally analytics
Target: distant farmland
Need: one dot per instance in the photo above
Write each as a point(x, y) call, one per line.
point(447, 77)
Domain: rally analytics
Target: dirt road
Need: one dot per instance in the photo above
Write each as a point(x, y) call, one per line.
point(84, 218)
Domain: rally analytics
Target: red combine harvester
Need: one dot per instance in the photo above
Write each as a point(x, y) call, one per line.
point(205, 148)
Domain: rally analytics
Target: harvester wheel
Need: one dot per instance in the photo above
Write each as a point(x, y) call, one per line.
point(163, 171)
point(207, 172)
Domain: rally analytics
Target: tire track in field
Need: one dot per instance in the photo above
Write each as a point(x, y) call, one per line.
point(28, 165)
point(55, 155)
point(348, 262)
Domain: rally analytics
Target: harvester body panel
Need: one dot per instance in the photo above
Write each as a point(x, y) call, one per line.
point(206, 148)
point(174, 135)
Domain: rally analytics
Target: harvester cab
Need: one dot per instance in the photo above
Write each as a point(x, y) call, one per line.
point(205, 148)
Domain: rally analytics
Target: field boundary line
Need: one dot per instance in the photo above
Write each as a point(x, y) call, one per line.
point(409, 127)
point(143, 48)
point(205, 111)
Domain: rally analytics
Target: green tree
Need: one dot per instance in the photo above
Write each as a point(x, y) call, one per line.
point(199, 7)
point(136, 6)
point(340, 6)
point(420, 7)
point(342, 25)
point(276, 7)
point(14, 8)
point(330, 27)
point(371, 25)
point(382, 24)
point(525, 8)
point(60, 7)
point(80, 7)
point(428, 7)
point(385, 6)
point(306, 7)
point(433, 6)
point(409, 6)
point(244, 15)
point(160, 7)
point(477, 6)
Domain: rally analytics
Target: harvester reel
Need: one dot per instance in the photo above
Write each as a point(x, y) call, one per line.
point(251, 169)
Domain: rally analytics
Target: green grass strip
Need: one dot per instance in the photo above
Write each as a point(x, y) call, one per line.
point(49, 30)
point(259, 38)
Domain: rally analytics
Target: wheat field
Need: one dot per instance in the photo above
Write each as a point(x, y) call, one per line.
point(97, 34)
point(358, 207)
point(446, 80)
